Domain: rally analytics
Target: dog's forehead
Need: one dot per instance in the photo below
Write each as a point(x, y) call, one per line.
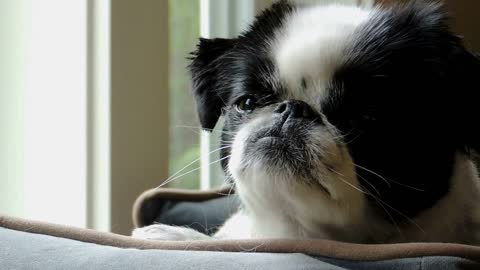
point(311, 45)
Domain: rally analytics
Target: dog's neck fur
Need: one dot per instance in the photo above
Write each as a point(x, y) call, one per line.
point(451, 219)
point(455, 216)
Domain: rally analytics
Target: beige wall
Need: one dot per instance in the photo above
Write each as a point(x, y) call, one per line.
point(139, 99)
point(466, 21)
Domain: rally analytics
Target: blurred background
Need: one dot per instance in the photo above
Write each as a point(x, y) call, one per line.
point(95, 103)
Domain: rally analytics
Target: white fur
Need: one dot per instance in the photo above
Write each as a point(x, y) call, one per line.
point(165, 232)
point(450, 220)
point(312, 45)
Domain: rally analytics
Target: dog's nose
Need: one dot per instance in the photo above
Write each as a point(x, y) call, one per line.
point(295, 109)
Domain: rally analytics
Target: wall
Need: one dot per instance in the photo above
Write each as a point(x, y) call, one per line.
point(139, 103)
point(466, 21)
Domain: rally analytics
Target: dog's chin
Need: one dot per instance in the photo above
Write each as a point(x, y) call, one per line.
point(269, 147)
point(283, 145)
point(293, 154)
point(283, 158)
point(278, 152)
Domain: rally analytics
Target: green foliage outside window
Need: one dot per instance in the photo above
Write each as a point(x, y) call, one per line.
point(184, 26)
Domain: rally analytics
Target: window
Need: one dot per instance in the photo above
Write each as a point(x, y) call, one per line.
point(43, 110)
point(184, 30)
point(194, 156)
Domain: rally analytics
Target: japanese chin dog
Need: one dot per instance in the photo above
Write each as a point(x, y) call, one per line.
point(343, 123)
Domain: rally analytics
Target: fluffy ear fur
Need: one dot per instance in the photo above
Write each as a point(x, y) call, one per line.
point(458, 69)
point(209, 62)
point(206, 69)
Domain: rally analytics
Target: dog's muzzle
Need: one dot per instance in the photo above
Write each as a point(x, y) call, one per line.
point(288, 120)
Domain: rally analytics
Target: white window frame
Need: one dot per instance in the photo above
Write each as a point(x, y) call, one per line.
point(98, 116)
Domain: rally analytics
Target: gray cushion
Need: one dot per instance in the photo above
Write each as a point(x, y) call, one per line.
point(23, 250)
point(204, 216)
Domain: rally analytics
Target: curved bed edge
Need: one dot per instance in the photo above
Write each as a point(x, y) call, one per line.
point(323, 248)
point(143, 201)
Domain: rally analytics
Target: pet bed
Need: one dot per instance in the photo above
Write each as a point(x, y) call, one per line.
point(26, 244)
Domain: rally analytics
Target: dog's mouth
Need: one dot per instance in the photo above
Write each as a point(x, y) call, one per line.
point(268, 146)
point(281, 132)
point(282, 150)
point(281, 146)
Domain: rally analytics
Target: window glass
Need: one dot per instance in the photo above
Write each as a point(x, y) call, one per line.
point(184, 20)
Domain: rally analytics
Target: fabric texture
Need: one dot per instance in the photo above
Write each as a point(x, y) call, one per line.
point(22, 250)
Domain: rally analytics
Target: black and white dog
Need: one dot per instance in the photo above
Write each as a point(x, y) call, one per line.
point(343, 123)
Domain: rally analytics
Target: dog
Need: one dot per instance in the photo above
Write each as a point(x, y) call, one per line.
point(343, 123)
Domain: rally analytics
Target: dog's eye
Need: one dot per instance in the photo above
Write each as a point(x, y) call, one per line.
point(246, 104)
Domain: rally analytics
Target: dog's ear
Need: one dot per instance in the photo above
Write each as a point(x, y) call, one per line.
point(207, 70)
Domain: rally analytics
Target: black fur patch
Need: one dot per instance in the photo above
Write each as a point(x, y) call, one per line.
point(400, 102)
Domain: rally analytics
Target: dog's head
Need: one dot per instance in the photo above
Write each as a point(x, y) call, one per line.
point(352, 105)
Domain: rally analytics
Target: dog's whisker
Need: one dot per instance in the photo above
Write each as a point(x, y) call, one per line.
point(354, 138)
point(402, 214)
point(382, 203)
point(196, 169)
point(387, 180)
point(205, 129)
point(342, 136)
point(374, 173)
point(388, 214)
point(370, 184)
point(191, 163)
point(354, 187)
point(366, 181)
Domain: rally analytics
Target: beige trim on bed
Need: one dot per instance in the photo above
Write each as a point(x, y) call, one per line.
point(322, 248)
